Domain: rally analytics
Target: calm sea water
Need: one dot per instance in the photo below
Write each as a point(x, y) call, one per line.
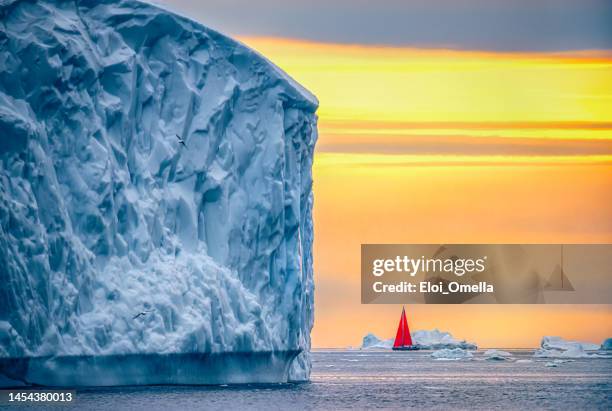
point(387, 380)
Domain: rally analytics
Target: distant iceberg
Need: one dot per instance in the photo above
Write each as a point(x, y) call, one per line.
point(607, 344)
point(453, 354)
point(436, 339)
point(557, 347)
point(424, 339)
point(372, 341)
point(558, 343)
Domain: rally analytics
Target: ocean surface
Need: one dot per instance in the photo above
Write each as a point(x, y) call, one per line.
point(386, 380)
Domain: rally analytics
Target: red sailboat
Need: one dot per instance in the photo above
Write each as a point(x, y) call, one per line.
point(403, 340)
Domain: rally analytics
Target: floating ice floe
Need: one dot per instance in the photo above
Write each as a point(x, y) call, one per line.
point(453, 354)
point(573, 352)
point(497, 355)
point(556, 363)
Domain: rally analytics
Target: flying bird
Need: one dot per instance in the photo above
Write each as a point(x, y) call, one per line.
point(141, 314)
point(181, 141)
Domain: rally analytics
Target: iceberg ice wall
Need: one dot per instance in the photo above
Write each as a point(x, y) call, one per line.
point(118, 240)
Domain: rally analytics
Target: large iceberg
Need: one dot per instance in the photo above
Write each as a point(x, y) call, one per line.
point(423, 339)
point(155, 201)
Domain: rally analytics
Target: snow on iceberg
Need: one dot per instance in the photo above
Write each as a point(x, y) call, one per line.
point(155, 201)
point(453, 354)
point(497, 355)
point(424, 339)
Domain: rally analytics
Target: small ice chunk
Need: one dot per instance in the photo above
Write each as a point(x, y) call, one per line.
point(497, 355)
point(454, 354)
point(556, 363)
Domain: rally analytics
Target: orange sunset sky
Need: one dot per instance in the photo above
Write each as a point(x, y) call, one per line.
point(419, 146)
point(445, 121)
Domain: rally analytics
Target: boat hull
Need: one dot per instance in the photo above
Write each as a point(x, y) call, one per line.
point(406, 348)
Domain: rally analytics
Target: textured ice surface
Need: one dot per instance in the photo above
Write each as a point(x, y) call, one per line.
point(452, 354)
point(115, 238)
point(424, 339)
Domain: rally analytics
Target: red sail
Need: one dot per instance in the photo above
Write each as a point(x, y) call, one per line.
point(407, 336)
point(402, 338)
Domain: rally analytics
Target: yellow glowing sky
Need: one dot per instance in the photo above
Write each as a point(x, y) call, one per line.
point(419, 146)
point(400, 84)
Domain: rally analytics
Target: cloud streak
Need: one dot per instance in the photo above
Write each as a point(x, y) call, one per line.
point(498, 25)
